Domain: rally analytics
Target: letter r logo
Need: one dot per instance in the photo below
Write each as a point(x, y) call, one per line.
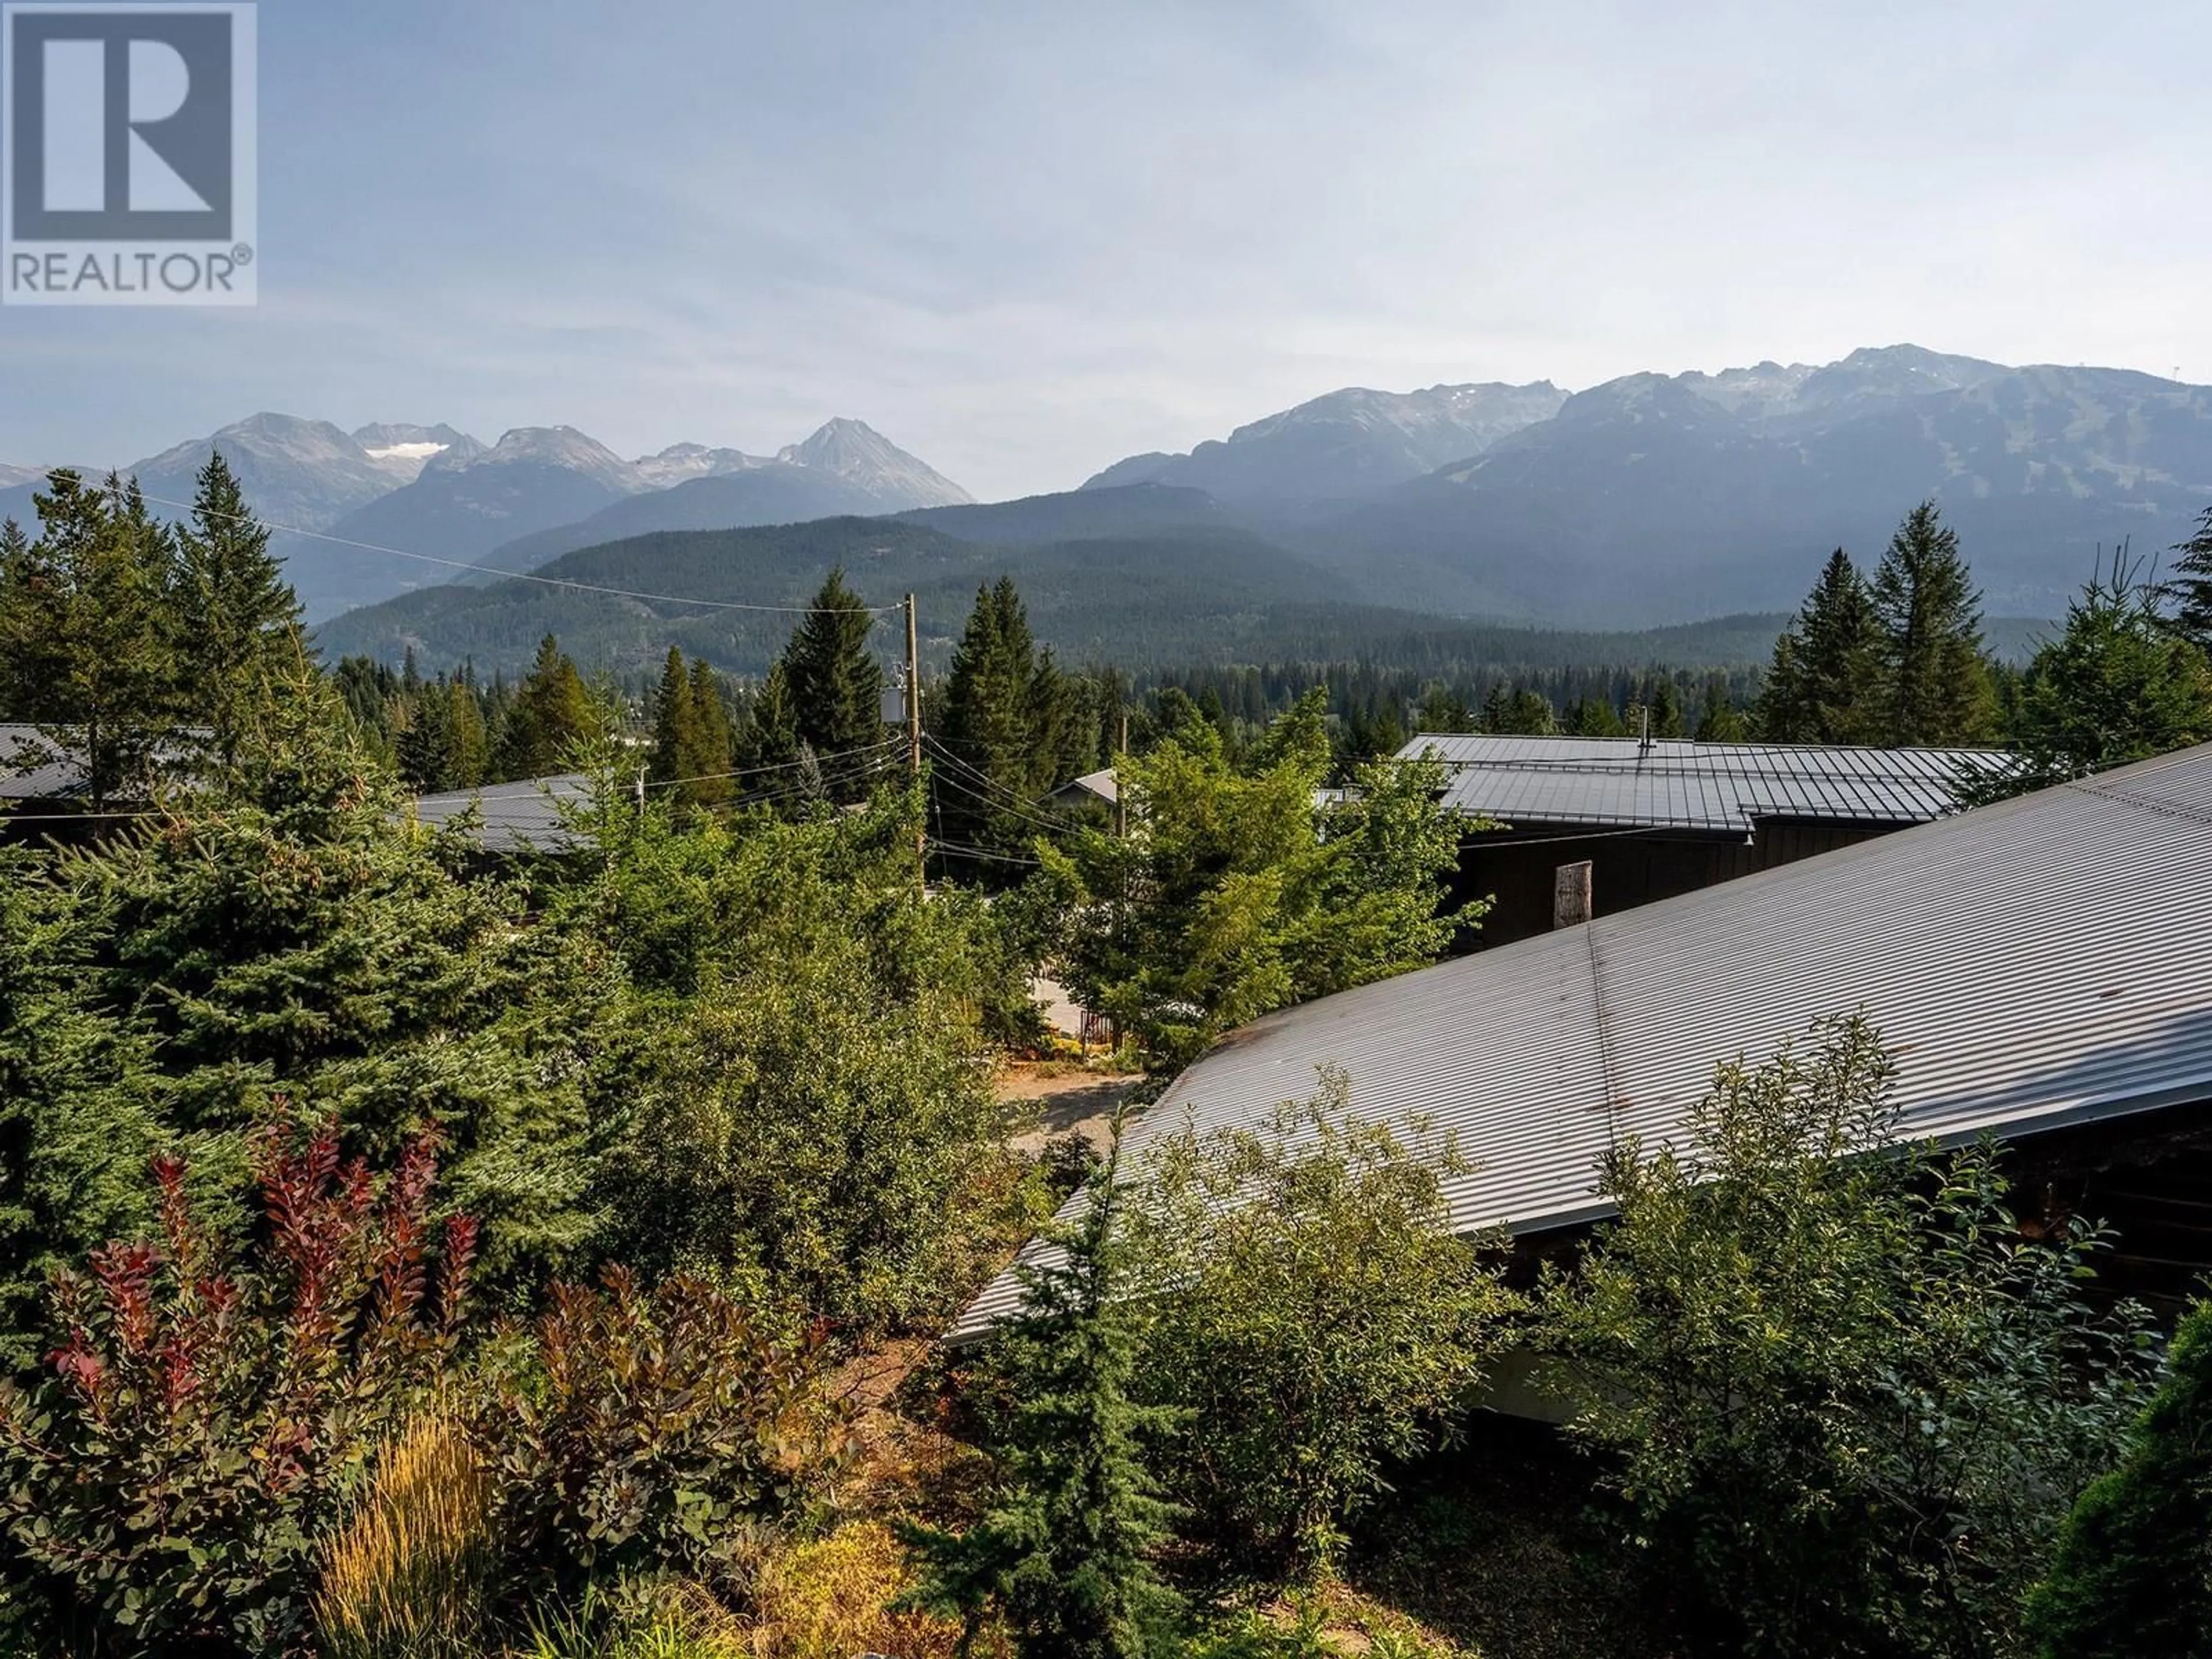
point(120, 123)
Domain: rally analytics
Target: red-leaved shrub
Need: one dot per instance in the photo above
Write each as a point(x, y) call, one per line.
point(203, 1419)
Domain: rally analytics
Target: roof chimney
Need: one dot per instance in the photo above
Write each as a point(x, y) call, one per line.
point(1570, 895)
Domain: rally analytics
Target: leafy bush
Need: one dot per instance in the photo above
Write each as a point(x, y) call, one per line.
point(1234, 894)
point(808, 1105)
point(1315, 1316)
point(405, 1577)
point(2133, 1571)
point(201, 1425)
point(655, 1430)
point(1847, 1400)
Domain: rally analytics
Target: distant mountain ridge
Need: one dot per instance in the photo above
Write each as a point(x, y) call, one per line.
point(846, 468)
point(392, 506)
point(1658, 498)
point(1345, 443)
point(1651, 499)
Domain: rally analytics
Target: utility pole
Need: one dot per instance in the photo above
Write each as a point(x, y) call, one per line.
point(913, 697)
point(913, 751)
point(1121, 800)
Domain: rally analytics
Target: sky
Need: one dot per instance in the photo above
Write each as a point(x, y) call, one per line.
point(1025, 239)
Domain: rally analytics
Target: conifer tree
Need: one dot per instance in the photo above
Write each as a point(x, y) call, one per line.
point(836, 687)
point(2116, 686)
point(1937, 690)
point(425, 743)
point(1065, 1556)
point(77, 1123)
point(464, 729)
point(674, 723)
point(769, 742)
point(83, 645)
point(1594, 717)
point(1444, 710)
point(550, 714)
point(1718, 721)
point(290, 943)
point(1660, 715)
point(713, 743)
point(1008, 724)
point(2133, 1571)
point(235, 620)
point(2191, 587)
point(1824, 683)
point(1526, 712)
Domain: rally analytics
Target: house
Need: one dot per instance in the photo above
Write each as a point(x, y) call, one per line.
point(1658, 817)
point(1092, 788)
point(2041, 970)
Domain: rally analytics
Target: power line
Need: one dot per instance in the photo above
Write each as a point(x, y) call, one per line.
point(1011, 802)
point(772, 766)
point(1013, 813)
point(527, 575)
point(959, 850)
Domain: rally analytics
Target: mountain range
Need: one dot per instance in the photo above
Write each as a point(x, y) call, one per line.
point(363, 516)
point(1652, 499)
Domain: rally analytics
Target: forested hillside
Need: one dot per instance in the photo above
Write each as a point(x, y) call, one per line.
point(1216, 596)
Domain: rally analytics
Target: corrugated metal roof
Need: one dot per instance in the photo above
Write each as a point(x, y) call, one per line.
point(2031, 964)
point(1671, 784)
point(516, 816)
point(35, 768)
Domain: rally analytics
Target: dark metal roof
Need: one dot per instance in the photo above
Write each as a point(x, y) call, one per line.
point(1671, 784)
point(2040, 962)
point(519, 816)
point(57, 772)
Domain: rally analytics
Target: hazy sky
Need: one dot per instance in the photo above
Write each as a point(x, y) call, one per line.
point(1024, 239)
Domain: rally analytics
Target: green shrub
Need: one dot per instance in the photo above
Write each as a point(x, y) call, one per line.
point(202, 1424)
point(1314, 1317)
point(1847, 1400)
point(2133, 1573)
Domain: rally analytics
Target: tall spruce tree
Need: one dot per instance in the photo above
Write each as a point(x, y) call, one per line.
point(2191, 587)
point(1936, 688)
point(550, 714)
point(85, 648)
point(1825, 682)
point(423, 744)
point(290, 944)
point(836, 687)
point(713, 741)
point(469, 746)
point(235, 620)
point(1009, 724)
point(1065, 1556)
point(768, 746)
point(674, 723)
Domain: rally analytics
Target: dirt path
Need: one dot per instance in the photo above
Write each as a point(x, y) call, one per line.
point(1067, 1100)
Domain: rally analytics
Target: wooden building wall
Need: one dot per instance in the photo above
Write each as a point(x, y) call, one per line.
point(1639, 868)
